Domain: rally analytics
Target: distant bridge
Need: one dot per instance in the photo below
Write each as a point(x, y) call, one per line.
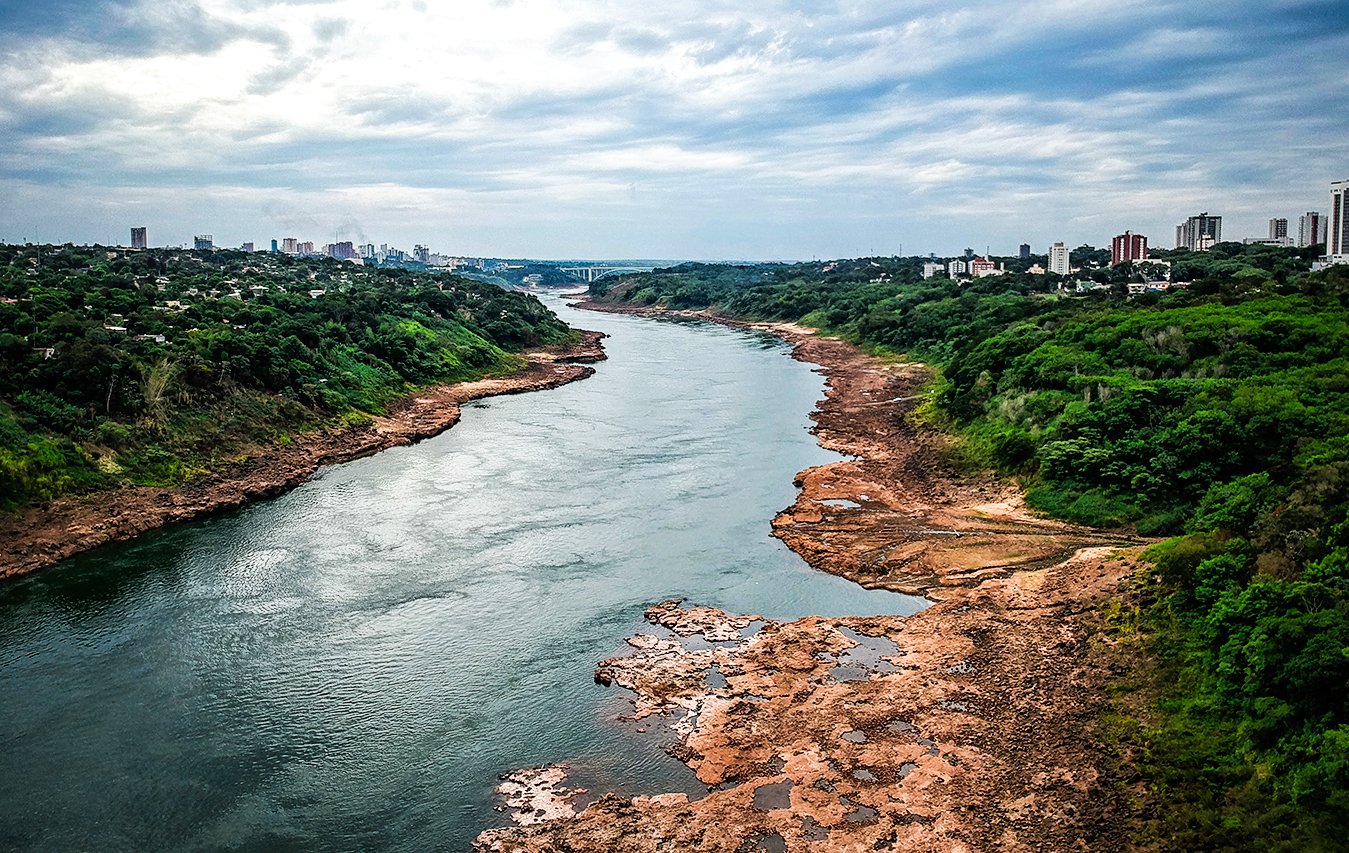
point(597, 271)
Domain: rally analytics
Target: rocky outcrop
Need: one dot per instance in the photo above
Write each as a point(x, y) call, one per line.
point(967, 727)
point(43, 535)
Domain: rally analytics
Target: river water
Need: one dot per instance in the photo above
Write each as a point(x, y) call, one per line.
point(351, 665)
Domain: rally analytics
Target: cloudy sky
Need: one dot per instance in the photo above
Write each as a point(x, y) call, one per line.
point(684, 129)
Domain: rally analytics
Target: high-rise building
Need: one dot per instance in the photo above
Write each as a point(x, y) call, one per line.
point(1278, 229)
point(247, 247)
point(1023, 251)
point(273, 245)
point(1337, 233)
point(1199, 233)
point(203, 242)
point(1059, 261)
point(421, 253)
point(305, 248)
point(138, 238)
point(1311, 229)
point(1128, 247)
point(956, 268)
point(342, 251)
point(290, 245)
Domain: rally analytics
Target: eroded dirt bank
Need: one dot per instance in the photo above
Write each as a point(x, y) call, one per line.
point(967, 727)
point(42, 536)
point(896, 516)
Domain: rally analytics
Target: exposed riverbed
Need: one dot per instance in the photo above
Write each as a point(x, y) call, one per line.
point(356, 661)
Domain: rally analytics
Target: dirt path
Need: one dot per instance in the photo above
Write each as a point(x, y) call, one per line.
point(45, 535)
point(967, 727)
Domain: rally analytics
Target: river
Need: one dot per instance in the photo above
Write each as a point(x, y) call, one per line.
point(351, 665)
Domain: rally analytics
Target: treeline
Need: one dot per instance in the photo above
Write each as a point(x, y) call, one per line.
point(147, 366)
point(1217, 413)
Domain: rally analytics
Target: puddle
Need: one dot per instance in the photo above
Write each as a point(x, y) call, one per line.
point(812, 831)
point(859, 813)
point(773, 843)
point(774, 795)
point(865, 658)
point(843, 502)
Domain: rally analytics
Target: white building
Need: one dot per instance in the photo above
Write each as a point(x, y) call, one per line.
point(931, 268)
point(1199, 233)
point(956, 267)
point(1059, 259)
point(1337, 232)
point(1311, 229)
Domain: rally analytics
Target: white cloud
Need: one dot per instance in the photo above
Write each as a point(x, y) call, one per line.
point(488, 121)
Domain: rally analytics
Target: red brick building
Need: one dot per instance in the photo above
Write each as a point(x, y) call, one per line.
point(1128, 247)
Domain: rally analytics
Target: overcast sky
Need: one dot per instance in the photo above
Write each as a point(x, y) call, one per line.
point(703, 129)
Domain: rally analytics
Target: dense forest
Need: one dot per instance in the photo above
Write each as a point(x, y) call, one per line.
point(147, 366)
point(1215, 412)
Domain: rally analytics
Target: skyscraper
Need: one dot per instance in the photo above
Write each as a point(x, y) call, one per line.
point(138, 237)
point(203, 242)
point(289, 245)
point(1311, 229)
point(1337, 234)
point(1128, 247)
point(1278, 229)
point(1059, 261)
point(1023, 251)
point(1199, 233)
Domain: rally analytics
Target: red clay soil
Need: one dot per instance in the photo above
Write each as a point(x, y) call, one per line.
point(966, 727)
point(43, 535)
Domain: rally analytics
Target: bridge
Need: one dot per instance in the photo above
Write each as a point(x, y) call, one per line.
point(597, 271)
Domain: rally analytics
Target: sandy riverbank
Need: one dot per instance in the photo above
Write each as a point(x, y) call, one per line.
point(42, 536)
point(967, 727)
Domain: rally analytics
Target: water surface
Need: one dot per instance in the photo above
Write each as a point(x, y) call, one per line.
point(351, 665)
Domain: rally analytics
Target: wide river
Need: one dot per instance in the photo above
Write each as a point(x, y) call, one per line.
point(351, 665)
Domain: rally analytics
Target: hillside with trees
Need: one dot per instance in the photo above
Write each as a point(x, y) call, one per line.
point(1216, 413)
point(147, 367)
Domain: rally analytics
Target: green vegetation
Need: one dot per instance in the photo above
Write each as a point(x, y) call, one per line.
point(1218, 411)
point(149, 367)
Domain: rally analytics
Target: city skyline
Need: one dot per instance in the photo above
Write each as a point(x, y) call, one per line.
point(763, 132)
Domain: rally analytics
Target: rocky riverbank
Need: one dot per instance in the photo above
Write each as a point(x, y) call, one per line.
point(42, 536)
point(967, 727)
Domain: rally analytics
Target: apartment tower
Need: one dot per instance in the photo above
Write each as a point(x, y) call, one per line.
point(1199, 233)
point(1128, 247)
point(1311, 229)
point(1059, 259)
point(1337, 234)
